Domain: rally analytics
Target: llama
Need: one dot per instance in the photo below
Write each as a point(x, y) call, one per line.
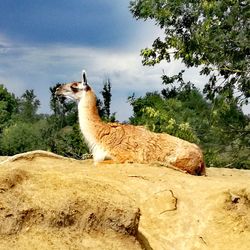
point(124, 143)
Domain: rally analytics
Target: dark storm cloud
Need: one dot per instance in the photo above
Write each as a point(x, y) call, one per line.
point(83, 22)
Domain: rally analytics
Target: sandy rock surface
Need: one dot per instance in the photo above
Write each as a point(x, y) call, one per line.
point(48, 202)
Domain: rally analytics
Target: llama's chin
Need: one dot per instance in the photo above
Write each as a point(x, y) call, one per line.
point(71, 98)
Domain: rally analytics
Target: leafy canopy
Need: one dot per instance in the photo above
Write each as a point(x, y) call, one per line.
point(211, 33)
point(28, 106)
point(8, 106)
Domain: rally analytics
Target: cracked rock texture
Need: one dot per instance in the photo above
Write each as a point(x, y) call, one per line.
point(58, 203)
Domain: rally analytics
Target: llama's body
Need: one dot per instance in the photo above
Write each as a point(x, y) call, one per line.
point(127, 143)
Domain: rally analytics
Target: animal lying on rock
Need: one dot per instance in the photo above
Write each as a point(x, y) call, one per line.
point(124, 143)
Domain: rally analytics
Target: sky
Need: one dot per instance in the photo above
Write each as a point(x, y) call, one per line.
point(43, 42)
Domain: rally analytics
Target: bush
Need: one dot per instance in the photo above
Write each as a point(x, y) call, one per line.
point(22, 137)
point(68, 142)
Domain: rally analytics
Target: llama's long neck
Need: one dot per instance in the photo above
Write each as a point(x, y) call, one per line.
point(88, 113)
point(89, 120)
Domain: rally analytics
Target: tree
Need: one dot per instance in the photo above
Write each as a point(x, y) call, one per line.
point(170, 115)
point(22, 137)
point(214, 34)
point(8, 106)
point(55, 102)
point(63, 111)
point(28, 105)
point(106, 93)
point(104, 106)
point(68, 142)
point(63, 133)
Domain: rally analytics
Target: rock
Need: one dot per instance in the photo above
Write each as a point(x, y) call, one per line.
point(49, 202)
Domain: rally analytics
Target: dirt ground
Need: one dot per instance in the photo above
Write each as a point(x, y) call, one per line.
point(48, 202)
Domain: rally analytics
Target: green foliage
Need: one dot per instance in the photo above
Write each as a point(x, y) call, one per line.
point(8, 106)
point(228, 138)
point(214, 34)
point(21, 137)
point(55, 102)
point(163, 115)
point(26, 130)
point(22, 129)
point(68, 142)
point(28, 105)
point(64, 136)
point(104, 106)
point(106, 93)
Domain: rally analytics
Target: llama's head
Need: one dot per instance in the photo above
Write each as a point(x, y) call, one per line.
point(74, 90)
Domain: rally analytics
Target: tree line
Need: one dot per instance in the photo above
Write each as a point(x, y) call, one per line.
point(23, 129)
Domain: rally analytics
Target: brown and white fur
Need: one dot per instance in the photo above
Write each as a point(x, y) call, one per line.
point(121, 143)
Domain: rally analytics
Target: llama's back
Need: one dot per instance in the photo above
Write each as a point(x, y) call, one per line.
point(128, 143)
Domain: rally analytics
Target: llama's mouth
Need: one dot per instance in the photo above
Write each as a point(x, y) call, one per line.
point(61, 98)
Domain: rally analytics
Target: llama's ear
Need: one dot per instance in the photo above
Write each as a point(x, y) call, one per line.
point(84, 78)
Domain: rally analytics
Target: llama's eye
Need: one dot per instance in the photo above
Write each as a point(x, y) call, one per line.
point(74, 88)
